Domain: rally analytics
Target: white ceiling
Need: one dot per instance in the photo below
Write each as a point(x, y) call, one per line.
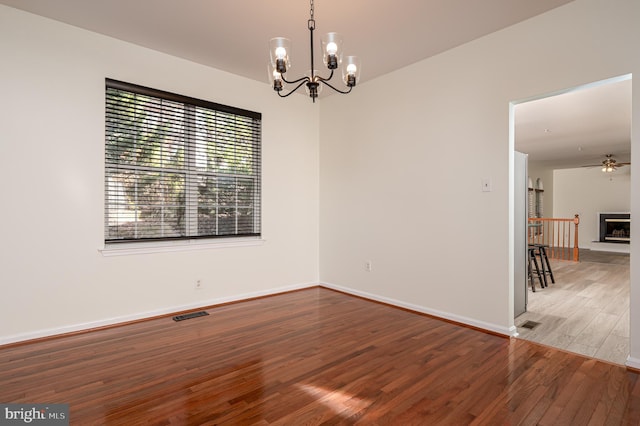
point(578, 127)
point(233, 35)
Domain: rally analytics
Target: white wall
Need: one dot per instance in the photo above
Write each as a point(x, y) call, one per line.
point(588, 192)
point(53, 278)
point(402, 158)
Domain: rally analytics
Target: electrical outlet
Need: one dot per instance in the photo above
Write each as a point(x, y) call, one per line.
point(198, 284)
point(367, 265)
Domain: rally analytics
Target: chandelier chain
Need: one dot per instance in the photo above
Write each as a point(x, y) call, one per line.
point(312, 21)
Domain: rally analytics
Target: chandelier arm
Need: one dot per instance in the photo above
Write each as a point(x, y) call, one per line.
point(296, 88)
point(322, 79)
point(344, 92)
point(303, 79)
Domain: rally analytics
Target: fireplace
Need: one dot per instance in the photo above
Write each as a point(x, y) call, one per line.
point(615, 228)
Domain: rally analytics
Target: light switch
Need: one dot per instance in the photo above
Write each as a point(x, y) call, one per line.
point(486, 185)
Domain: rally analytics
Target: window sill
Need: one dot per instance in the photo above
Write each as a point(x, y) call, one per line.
point(126, 249)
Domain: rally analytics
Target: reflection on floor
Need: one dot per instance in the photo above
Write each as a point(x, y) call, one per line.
point(586, 311)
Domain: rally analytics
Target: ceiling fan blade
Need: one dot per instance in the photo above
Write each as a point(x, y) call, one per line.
point(608, 162)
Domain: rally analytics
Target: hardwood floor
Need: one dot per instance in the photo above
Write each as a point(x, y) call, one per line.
point(314, 357)
point(587, 310)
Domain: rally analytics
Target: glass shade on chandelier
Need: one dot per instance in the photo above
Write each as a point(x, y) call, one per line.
point(332, 50)
point(279, 47)
point(351, 71)
point(280, 64)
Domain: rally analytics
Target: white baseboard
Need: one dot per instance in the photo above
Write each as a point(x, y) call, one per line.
point(4, 340)
point(507, 331)
point(633, 362)
point(610, 247)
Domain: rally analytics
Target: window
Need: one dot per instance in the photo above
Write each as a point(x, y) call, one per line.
point(178, 167)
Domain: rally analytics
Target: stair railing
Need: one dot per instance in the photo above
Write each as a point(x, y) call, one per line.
point(558, 234)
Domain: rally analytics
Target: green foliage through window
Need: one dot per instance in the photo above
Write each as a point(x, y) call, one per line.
point(179, 167)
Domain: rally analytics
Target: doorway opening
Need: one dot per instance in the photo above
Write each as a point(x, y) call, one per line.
point(567, 135)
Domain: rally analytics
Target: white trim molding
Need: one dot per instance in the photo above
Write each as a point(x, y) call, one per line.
point(633, 362)
point(494, 328)
point(126, 249)
point(5, 340)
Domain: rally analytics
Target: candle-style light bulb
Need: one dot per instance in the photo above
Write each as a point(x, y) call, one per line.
point(332, 48)
point(281, 52)
point(351, 72)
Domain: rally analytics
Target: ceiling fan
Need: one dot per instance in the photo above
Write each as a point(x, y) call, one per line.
point(609, 164)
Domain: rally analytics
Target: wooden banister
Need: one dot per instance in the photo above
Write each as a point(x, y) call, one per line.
point(576, 250)
point(558, 234)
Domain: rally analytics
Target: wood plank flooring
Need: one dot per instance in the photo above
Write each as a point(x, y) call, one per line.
point(314, 357)
point(587, 310)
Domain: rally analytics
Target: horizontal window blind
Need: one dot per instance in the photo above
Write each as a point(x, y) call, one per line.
point(178, 167)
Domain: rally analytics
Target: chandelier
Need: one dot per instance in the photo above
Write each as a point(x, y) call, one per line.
point(280, 48)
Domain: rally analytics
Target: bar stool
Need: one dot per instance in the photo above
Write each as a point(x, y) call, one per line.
point(533, 263)
point(544, 262)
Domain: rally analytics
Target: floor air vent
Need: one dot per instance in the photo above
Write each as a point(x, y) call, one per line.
point(530, 324)
point(190, 315)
